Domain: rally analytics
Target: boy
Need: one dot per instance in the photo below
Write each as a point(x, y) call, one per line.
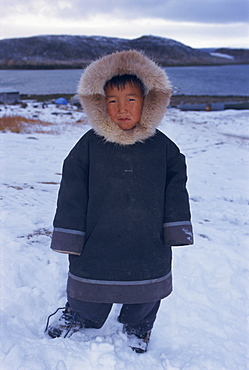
point(122, 202)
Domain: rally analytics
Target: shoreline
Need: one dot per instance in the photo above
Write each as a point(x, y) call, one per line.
point(206, 99)
point(83, 64)
point(175, 99)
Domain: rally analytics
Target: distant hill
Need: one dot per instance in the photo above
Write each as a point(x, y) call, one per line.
point(67, 51)
point(238, 54)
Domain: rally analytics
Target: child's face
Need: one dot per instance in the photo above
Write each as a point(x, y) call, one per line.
point(124, 107)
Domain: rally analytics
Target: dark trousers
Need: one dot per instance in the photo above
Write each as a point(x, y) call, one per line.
point(137, 318)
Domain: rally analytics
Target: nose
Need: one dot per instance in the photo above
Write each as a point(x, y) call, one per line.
point(122, 107)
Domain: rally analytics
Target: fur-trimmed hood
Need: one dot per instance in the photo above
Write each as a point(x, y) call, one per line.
point(92, 95)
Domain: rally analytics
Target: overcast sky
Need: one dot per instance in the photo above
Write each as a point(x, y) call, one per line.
point(197, 23)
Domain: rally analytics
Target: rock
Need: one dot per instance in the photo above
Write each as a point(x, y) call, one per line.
point(75, 100)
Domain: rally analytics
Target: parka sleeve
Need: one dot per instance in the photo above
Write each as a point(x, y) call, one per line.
point(70, 218)
point(177, 218)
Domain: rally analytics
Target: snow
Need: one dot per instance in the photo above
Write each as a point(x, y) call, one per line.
point(221, 55)
point(203, 324)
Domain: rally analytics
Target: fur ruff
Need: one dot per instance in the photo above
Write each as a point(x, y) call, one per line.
point(156, 101)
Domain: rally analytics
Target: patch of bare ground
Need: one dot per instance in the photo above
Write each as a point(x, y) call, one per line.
point(42, 231)
point(19, 124)
point(35, 234)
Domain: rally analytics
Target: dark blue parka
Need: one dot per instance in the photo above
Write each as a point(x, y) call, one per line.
point(123, 201)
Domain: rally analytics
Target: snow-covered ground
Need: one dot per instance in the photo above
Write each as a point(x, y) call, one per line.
point(202, 325)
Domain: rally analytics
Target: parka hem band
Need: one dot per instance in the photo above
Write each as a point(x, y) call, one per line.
point(109, 282)
point(128, 292)
point(178, 233)
point(67, 241)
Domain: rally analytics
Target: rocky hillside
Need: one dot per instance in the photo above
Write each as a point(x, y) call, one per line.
point(76, 51)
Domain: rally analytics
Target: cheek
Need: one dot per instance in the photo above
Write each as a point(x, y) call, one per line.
point(138, 112)
point(110, 111)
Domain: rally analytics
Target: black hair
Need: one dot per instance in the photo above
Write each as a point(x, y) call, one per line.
point(120, 81)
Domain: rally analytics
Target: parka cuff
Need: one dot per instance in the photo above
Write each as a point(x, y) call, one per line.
point(67, 241)
point(178, 233)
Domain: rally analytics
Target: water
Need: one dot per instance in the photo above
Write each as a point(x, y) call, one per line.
point(210, 80)
point(39, 82)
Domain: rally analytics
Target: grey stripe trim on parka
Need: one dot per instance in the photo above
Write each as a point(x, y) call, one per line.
point(107, 282)
point(178, 233)
point(177, 223)
point(129, 292)
point(75, 232)
point(67, 241)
